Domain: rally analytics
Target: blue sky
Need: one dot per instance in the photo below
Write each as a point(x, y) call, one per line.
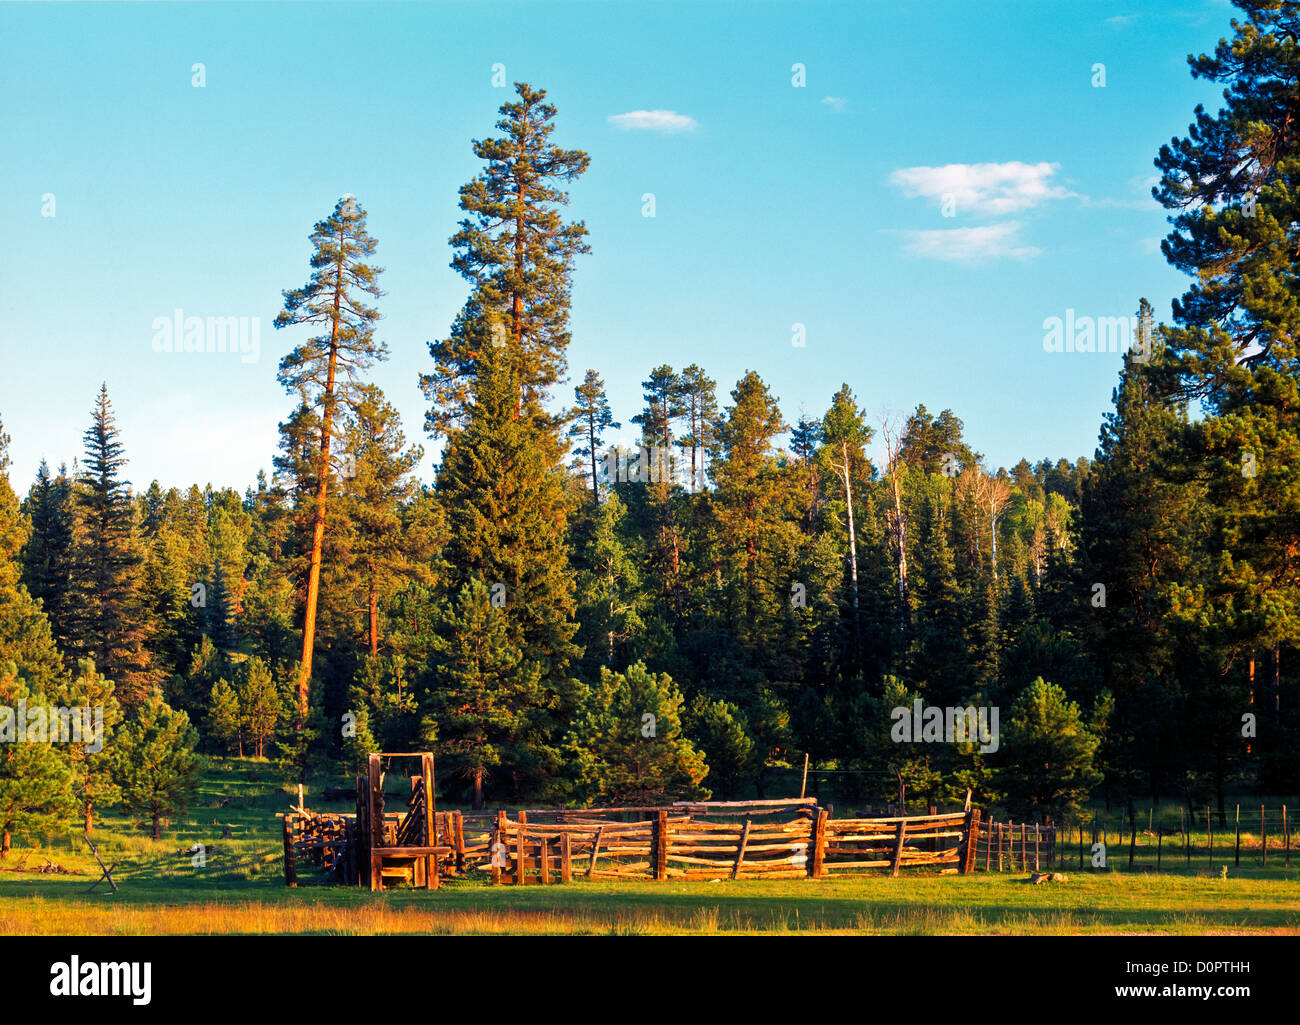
point(820, 205)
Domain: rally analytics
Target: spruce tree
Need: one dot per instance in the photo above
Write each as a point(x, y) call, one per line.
point(479, 695)
point(47, 555)
point(109, 625)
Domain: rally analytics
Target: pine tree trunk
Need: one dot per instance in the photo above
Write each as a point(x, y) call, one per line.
point(374, 616)
point(478, 788)
point(518, 301)
point(6, 841)
point(322, 490)
point(591, 445)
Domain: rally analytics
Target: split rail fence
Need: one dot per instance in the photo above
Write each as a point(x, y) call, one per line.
point(778, 839)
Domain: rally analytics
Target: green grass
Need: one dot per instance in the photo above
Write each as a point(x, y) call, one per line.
point(241, 889)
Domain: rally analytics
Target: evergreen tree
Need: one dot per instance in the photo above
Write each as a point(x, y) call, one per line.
point(626, 744)
point(718, 729)
point(47, 555)
point(259, 705)
point(504, 494)
point(223, 721)
point(35, 782)
point(326, 369)
point(610, 584)
point(380, 486)
point(517, 251)
point(845, 435)
point(479, 695)
point(90, 763)
point(698, 403)
point(1230, 183)
point(746, 498)
point(1048, 749)
point(156, 766)
point(109, 624)
point(591, 418)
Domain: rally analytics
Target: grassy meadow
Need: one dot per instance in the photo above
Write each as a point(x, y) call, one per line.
point(241, 889)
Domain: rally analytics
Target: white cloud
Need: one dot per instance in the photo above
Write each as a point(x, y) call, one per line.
point(983, 188)
point(836, 103)
point(1122, 19)
point(653, 121)
point(971, 245)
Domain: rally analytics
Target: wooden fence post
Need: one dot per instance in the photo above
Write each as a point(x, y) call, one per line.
point(1036, 845)
point(661, 846)
point(972, 841)
point(740, 850)
point(566, 858)
point(1238, 854)
point(521, 819)
point(290, 856)
point(460, 842)
point(543, 854)
point(498, 837)
point(1286, 837)
point(595, 849)
point(816, 863)
point(898, 847)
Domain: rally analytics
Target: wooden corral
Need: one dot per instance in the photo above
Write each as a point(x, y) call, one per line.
point(777, 839)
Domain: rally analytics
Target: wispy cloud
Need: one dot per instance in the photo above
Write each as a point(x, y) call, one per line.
point(983, 188)
point(653, 121)
point(971, 245)
point(1138, 196)
point(1122, 19)
point(836, 103)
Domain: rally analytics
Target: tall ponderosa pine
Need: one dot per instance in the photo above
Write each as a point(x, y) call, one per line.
point(1236, 346)
point(518, 252)
point(502, 481)
point(326, 368)
point(109, 626)
point(748, 502)
point(591, 419)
